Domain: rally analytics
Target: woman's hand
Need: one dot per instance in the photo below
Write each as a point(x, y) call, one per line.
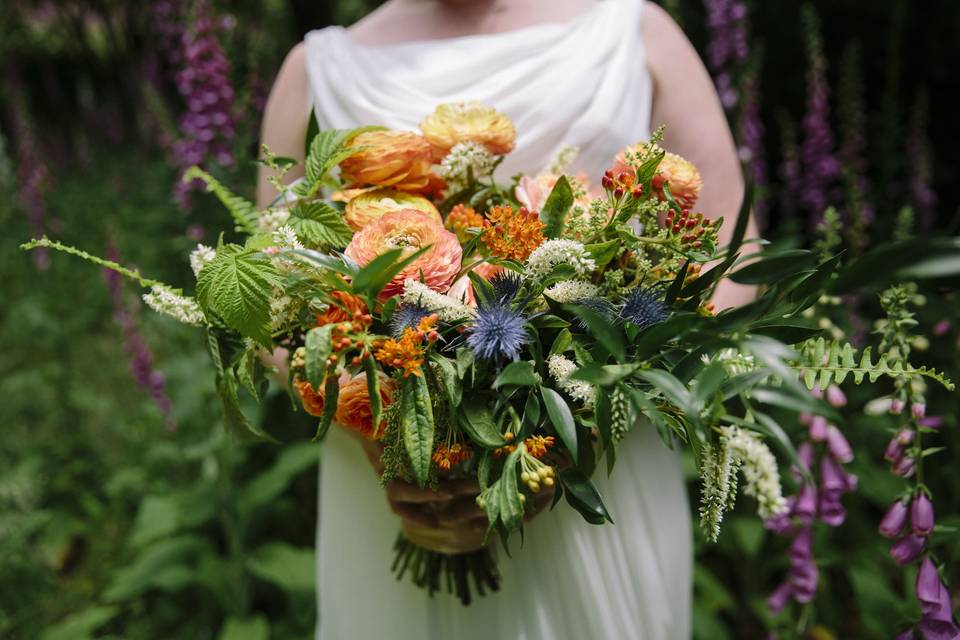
point(447, 520)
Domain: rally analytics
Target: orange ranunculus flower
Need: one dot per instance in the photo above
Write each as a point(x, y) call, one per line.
point(398, 159)
point(410, 229)
point(371, 205)
point(683, 178)
point(532, 192)
point(353, 404)
point(468, 122)
point(345, 308)
point(312, 400)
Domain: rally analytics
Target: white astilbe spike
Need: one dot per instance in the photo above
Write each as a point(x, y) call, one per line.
point(571, 290)
point(201, 257)
point(166, 301)
point(553, 253)
point(449, 309)
point(759, 468)
point(718, 475)
point(286, 238)
point(560, 369)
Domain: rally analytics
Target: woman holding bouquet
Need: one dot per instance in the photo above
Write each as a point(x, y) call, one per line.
point(593, 75)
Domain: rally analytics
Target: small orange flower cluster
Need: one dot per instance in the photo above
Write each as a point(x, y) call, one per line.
point(621, 183)
point(510, 235)
point(407, 352)
point(446, 457)
point(346, 308)
point(537, 446)
point(461, 218)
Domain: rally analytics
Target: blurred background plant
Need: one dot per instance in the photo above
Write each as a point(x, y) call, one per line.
point(122, 503)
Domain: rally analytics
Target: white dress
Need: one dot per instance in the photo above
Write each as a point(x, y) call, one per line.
point(581, 83)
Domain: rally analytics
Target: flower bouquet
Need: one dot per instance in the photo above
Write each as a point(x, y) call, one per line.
point(512, 334)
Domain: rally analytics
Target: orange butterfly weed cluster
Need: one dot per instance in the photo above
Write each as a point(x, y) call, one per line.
point(512, 235)
point(446, 457)
point(407, 352)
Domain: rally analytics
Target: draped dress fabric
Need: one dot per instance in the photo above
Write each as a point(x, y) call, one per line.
point(582, 83)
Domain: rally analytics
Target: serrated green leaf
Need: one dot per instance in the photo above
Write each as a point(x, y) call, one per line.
point(319, 224)
point(417, 425)
point(236, 286)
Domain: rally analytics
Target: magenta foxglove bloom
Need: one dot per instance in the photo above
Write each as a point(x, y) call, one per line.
point(835, 396)
point(838, 445)
point(806, 507)
point(908, 549)
point(777, 600)
point(905, 467)
point(894, 520)
point(818, 429)
point(921, 515)
point(918, 410)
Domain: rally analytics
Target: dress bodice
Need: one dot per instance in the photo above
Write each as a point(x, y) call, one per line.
point(582, 83)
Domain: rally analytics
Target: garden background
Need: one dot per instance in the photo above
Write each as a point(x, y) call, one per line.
point(127, 512)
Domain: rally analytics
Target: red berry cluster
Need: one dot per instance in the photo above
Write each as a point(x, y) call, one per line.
point(690, 227)
point(621, 184)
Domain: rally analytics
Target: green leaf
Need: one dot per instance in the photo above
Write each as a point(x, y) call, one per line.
point(555, 209)
point(382, 269)
point(237, 286)
point(562, 342)
point(772, 267)
point(373, 391)
point(293, 461)
point(154, 564)
point(243, 211)
point(561, 418)
point(319, 224)
point(81, 625)
point(465, 358)
point(604, 252)
point(331, 395)
point(583, 496)
point(478, 422)
point(520, 374)
point(786, 398)
point(236, 419)
point(648, 169)
point(671, 388)
point(318, 348)
point(337, 263)
point(708, 383)
point(511, 511)
point(416, 423)
point(327, 150)
point(604, 375)
point(290, 568)
point(253, 628)
point(606, 333)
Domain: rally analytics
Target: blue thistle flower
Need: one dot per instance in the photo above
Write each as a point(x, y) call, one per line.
point(497, 333)
point(643, 308)
point(407, 315)
point(506, 285)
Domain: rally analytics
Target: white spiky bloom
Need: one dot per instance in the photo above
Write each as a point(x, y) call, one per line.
point(282, 311)
point(448, 308)
point(759, 468)
point(571, 290)
point(272, 219)
point(465, 158)
point(560, 369)
point(201, 257)
point(556, 252)
point(286, 238)
point(718, 468)
point(734, 361)
point(166, 301)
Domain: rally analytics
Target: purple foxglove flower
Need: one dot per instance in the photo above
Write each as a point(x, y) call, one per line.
point(804, 578)
point(777, 600)
point(806, 454)
point(918, 410)
point(831, 509)
point(804, 418)
point(906, 635)
point(904, 468)
point(838, 445)
point(802, 548)
point(783, 522)
point(938, 630)
point(907, 549)
point(921, 515)
point(894, 520)
point(806, 507)
point(931, 422)
point(906, 436)
point(896, 406)
point(894, 451)
point(941, 328)
point(835, 396)
point(818, 429)
point(931, 592)
point(832, 476)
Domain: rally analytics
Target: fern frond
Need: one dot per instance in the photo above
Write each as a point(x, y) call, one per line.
point(831, 362)
point(243, 211)
point(133, 274)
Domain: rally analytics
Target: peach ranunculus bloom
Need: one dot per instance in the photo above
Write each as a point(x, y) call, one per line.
point(410, 229)
point(462, 289)
point(353, 404)
point(470, 121)
point(681, 174)
point(310, 398)
point(398, 159)
point(371, 205)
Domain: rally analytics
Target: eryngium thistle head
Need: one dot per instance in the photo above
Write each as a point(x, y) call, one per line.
point(506, 285)
point(497, 333)
point(643, 308)
point(406, 315)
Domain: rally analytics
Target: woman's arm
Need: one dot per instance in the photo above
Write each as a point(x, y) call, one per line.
point(684, 99)
point(285, 121)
